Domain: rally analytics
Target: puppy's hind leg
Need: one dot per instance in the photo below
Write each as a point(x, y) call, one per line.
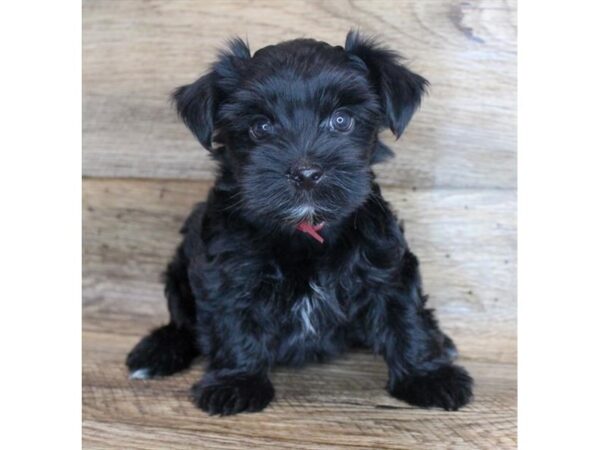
point(419, 356)
point(165, 351)
point(171, 348)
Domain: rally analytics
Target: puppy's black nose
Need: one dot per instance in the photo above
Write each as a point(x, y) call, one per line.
point(306, 176)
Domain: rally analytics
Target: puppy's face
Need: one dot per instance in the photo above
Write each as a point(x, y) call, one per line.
point(298, 124)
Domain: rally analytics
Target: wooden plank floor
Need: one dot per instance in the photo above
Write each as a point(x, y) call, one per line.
point(337, 405)
point(453, 181)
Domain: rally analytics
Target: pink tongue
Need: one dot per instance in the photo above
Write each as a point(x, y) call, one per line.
point(311, 230)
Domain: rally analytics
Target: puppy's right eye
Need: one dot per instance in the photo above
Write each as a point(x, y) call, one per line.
point(261, 128)
point(341, 121)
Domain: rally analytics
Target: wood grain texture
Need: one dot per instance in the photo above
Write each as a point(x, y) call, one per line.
point(466, 242)
point(136, 52)
point(341, 404)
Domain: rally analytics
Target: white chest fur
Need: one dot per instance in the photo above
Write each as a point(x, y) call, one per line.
point(313, 306)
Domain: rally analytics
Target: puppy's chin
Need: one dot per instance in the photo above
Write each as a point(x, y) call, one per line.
point(286, 220)
point(305, 215)
point(302, 214)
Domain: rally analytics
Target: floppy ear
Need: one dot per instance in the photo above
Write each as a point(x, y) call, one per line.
point(196, 106)
point(399, 89)
point(197, 103)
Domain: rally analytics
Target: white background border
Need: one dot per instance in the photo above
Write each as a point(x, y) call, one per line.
point(559, 224)
point(40, 247)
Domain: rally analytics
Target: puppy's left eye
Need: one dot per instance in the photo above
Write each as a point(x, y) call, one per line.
point(261, 128)
point(341, 121)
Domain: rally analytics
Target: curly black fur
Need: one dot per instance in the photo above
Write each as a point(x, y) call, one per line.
point(246, 288)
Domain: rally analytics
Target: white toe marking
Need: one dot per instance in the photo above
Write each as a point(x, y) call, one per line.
point(140, 374)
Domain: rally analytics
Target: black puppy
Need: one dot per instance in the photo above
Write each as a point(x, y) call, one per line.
point(295, 256)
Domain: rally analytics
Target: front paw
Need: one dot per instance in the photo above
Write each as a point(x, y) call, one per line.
point(233, 394)
point(449, 387)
